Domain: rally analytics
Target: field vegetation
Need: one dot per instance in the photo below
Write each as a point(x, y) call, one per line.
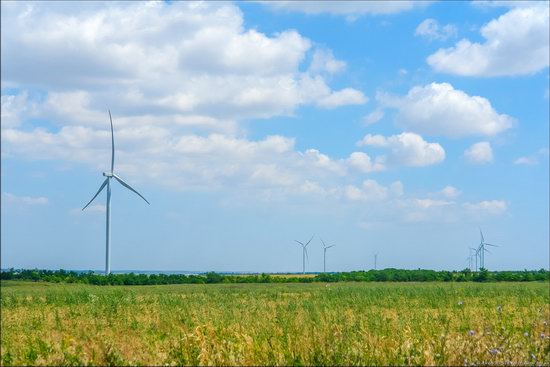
point(275, 324)
point(385, 275)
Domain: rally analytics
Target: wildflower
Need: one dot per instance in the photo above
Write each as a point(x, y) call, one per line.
point(493, 351)
point(526, 334)
point(533, 356)
point(471, 333)
point(545, 323)
point(460, 303)
point(542, 335)
point(499, 308)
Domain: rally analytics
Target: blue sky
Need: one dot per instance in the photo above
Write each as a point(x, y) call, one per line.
point(392, 127)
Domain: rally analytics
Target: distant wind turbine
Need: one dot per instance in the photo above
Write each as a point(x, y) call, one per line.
point(325, 248)
point(304, 253)
point(107, 182)
point(474, 254)
point(482, 250)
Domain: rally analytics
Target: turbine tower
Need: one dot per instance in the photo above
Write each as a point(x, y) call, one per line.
point(304, 253)
point(482, 250)
point(325, 247)
point(107, 182)
point(472, 255)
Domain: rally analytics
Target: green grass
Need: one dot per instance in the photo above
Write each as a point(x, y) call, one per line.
point(276, 324)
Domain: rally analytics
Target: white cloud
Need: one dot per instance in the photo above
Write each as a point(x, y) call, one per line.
point(526, 161)
point(196, 63)
point(24, 200)
point(431, 30)
point(374, 116)
point(450, 192)
point(439, 109)
point(370, 190)
point(324, 61)
point(494, 207)
point(347, 96)
point(178, 93)
point(516, 43)
point(479, 153)
point(533, 159)
point(12, 107)
point(347, 8)
point(364, 163)
point(429, 203)
point(407, 149)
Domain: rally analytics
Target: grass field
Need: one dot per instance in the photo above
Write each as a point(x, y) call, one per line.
point(276, 324)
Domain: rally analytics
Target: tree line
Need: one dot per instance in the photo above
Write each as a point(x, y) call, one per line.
point(385, 275)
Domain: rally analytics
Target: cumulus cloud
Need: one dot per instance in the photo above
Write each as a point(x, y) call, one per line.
point(440, 109)
point(364, 163)
point(346, 8)
point(190, 161)
point(199, 62)
point(479, 153)
point(24, 200)
point(432, 30)
point(324, 61)
point(13, 109)
point(370, 190)
point(347, 96)
point(516, 43)
point(407, 149)
point(178, 92)
point(493, 207)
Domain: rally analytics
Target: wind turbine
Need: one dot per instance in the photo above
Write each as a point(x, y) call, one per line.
point(325, 247)
point(474, 254)
point(375, 259)
point(481, 249)
point(107, 182)
point(304, 253)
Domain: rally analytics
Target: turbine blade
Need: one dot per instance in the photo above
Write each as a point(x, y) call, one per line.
point(309, 240)
point(307, 256)
point(112, 144)
point(322, 242)
point(299, 242)
point(481, 233)
point(486, 250)
point(488, 244)
point(97, 193)
point(330, 246)
point(129, 187)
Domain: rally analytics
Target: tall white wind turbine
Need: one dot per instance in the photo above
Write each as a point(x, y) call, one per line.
point(325, 247)
point(304, 253)
point(107, 182)
point(482, 250)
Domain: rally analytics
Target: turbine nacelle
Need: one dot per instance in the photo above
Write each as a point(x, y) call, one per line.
point(108, 174)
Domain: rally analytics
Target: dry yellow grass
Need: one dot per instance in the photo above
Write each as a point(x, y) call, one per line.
point(276, 324)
